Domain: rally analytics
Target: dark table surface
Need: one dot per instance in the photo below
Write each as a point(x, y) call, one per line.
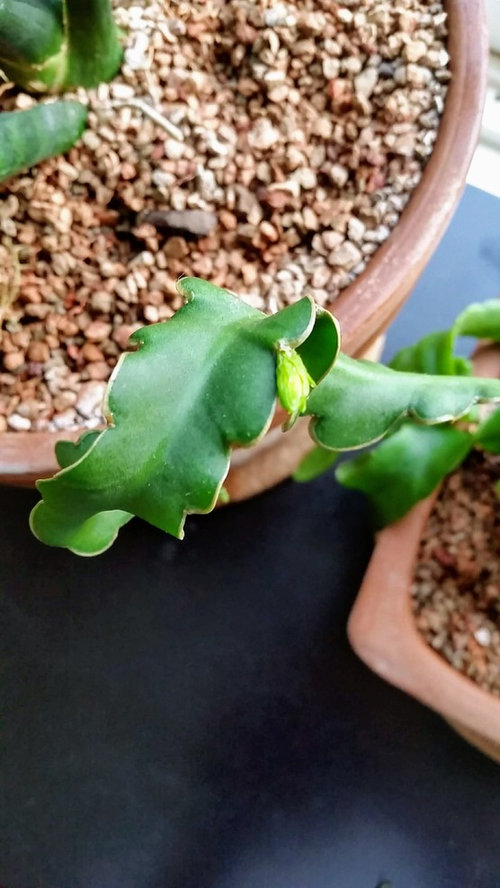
point(190, 715)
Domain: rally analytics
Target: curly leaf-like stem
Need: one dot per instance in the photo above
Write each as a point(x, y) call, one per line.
point(414, 459)
point(196, 386)
point(359, 401)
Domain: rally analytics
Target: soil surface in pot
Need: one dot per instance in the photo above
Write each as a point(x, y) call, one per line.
point(456, 590)
point(268, 147)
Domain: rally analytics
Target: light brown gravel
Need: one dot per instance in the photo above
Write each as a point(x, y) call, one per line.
point(285, 137)
point(456, 592)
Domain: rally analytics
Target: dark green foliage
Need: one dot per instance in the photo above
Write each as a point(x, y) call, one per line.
point(27, 137)
point(206, 381)
point(315, 463)
point(410, 463)
point(196, 386)
point(388, 474)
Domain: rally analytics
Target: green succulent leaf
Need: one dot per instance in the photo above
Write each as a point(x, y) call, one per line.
point(481, 319)
point(194, 386)
point(90, 536)
point(315, 463)
point(488, 433)
point(27, 137)
point(94, 52)
point(359, 402)
point(388, 475)
point(432, 354)
point(69, 452)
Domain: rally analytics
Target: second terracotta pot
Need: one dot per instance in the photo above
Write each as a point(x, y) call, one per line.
point(383, 632)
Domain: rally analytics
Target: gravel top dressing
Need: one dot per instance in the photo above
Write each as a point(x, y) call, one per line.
point(268, 147)
point(456, 592)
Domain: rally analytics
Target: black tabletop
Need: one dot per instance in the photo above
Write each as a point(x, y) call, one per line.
point(190, 715)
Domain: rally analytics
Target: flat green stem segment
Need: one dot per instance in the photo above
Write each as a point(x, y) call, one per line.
point(405, 468)
point(196, 385)
point(315, 463)
point(94, 52)
point(359, 402)
point(434, 353)
point(27, 137)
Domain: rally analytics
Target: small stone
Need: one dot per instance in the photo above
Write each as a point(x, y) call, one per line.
point(338, 174)
point(306, 178)
point(98, 370)
point(162, 179)
point(38, 352)
point(279, 16)
point(345, 256)
point(13, 361)
point(174, 150)
point(90, 352)
point(414, 50)
point(365, 82)
point(249, 273)
point(310, 219)
point(18, 423)
point(102, 301)
point(68, 419)
point(98, 331)
point(263, 135)
point(321, 277)
point(483, 636)
point(197, 222)
point(345, 15)
point(331, 68)
point(151, 314)
point(332, 240)
point(176, 248)
point(90, 398)
point(356, 229)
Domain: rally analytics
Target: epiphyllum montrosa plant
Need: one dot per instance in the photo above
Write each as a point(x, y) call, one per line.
point(207, 380)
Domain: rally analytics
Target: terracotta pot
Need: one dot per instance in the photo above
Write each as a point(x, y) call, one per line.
point(366, 307)
point(383, 632)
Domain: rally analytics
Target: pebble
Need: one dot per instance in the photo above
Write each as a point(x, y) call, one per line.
point(263, 135)
point(197, 222)
point(279, 16)
point(38, 352)
point(18, 423)
point(347, 255)
point(365, 82)
point(65, 420)
point(98, 331)
point(90, 398)
point(174, 150)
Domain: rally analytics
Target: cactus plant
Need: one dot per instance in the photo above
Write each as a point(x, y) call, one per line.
point(208, 379)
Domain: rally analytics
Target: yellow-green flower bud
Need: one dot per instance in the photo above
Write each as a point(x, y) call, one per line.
point(292, 380)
